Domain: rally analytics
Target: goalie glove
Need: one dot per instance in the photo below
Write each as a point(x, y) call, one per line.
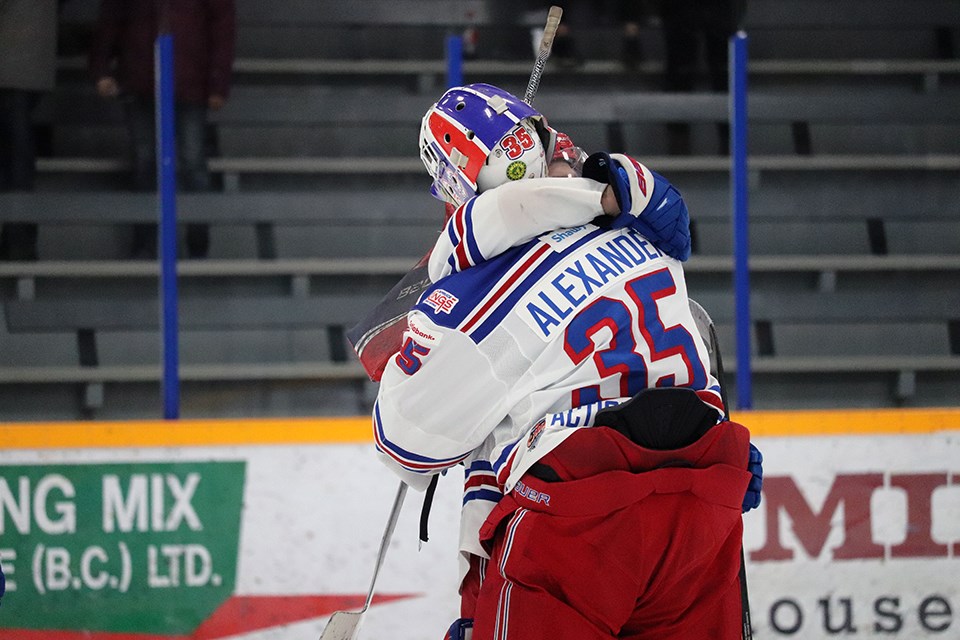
point(649, 204)
point(755, 466)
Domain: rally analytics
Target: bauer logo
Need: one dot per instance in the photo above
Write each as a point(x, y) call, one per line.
point(441, 301)
point(122, 548)
point(532, 495)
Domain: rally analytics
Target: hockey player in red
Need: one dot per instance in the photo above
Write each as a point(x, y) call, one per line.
point(555, 356)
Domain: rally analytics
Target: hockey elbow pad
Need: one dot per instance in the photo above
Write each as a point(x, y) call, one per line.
point(751, 500)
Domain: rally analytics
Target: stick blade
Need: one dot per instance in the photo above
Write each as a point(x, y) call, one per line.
point(704, 323)
point(379, 335)
point(343, 625)
point(708, 333)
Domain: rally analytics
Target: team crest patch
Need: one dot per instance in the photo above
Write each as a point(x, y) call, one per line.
point(516, 169)
point(441, 300)
point(535, 434)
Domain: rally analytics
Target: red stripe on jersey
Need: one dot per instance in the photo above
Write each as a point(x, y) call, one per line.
point(713, 399)
point(516, 275)
point(480, 479)
point(463, 260)
point(505, 469)
point(414, 466)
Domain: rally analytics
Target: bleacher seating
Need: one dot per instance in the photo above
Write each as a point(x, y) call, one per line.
point(855, 220)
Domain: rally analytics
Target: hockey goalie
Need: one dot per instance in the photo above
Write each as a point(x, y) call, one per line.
point(555, 358)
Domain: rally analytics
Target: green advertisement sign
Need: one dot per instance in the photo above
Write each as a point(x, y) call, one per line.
point(147, 548)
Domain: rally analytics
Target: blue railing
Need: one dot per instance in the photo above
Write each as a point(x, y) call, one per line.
point(167, 212)
point(738, 191)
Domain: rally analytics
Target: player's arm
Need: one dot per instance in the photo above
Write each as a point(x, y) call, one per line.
point(437, 402)
point(647, 202)
point(513, 213)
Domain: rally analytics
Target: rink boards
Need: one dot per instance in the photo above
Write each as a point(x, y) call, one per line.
point(259, 529)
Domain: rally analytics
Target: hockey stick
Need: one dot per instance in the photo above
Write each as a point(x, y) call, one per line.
point(344, 625)
point(708, 332)
point(546, 44)
point(379, 334)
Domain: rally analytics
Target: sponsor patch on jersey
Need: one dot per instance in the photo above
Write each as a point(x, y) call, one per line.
point(559, 239)
point(516, 169)
point(441, 301)
point(421, 333)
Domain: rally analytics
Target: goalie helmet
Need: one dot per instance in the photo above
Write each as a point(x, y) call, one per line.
point(477, 137)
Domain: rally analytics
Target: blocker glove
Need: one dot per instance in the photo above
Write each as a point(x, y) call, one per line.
point(755, 466)
point(649, 204)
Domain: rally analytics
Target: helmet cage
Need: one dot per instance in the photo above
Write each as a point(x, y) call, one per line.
point(449, 184)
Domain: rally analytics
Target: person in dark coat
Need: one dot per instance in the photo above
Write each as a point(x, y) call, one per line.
point(689, 28)
point(28, 56)
point(122, 65)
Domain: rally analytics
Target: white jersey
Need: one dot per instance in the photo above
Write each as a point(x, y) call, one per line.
point(513, 348)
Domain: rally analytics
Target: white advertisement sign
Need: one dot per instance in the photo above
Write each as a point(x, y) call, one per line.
point(857, 537)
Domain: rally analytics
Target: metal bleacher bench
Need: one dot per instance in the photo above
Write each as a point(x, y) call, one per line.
point(930, 71)
point(89, 318)
point(263, 108)
point(202, 320)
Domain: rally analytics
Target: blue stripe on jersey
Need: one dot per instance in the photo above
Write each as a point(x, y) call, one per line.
point(470, 286)
point(419, 463)
point(473, 250)
point(479, 465)
point(454, 240)
point(504, 455)
point(488, 495)
point(506, 305)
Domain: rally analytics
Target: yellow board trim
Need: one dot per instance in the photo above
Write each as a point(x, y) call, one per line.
point(292, 431)
point(849, 422)
point(177, 433)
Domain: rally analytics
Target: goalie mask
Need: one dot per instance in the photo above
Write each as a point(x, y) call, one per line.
point(478, 137)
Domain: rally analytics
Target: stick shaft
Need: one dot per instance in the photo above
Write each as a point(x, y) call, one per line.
point(546, 44)
point(385, 542)
point(708, 331)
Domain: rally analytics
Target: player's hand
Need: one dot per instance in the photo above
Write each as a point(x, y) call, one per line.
point(107, 87)
point(608, 200)
point(602, 168)
point(645, 202)
point(755, 466)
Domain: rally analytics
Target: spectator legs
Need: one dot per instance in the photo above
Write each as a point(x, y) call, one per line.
point(191, 122)
point(18, 240)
